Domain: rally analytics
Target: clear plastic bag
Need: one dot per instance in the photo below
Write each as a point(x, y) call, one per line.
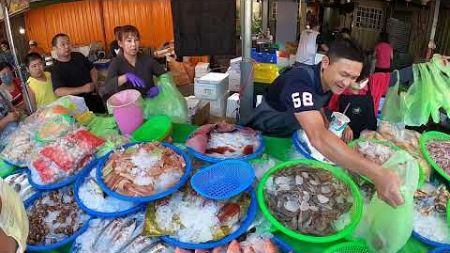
point(168, 102)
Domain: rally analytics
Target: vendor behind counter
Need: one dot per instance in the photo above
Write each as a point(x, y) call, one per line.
point(131, 69)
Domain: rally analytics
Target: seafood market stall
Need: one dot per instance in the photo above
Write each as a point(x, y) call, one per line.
point(213, 188)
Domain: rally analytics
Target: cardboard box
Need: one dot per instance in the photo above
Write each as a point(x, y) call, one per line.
point(201, 116)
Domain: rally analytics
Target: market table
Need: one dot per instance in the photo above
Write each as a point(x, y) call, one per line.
point(279, 148)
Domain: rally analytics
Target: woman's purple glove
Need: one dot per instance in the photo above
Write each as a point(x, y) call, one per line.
point(135, 80)
point(153, 92)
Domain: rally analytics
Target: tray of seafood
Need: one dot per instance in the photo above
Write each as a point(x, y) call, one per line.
point(310, 201)
point(118, 235)
point(54, 128)
point(436, 149)
point(18, 180)
point(142, 172)
point(249, 242)
point(189, 221)
point(217, 142)
point(94, 201)
point(430, 223)
point(379, 152)
point(19, 147)
point(58, 164)
point(55, 220)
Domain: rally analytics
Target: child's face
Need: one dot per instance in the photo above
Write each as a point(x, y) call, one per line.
point(36, 68)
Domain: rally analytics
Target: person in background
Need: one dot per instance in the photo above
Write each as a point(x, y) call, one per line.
point(6, 54)
point(14, 225)
point(345, 33)
point(40, 82)
point(131, 69)
point(363, 104)
point(11, 85)
point(114, 46)
point(310, 42)
point(73, 74)
point(384, 53)
point(34, 48)
point(296, 100)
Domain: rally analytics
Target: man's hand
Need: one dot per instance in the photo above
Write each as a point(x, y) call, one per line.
point(12, 116)
point(347, 135)
point(388, 184)
point(445, 60)
point(88, 88)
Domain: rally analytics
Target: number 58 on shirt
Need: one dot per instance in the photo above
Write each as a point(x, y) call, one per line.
point(304, 100)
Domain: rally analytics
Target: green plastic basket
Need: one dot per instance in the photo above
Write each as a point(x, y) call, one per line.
point(431, 136)
point(5, 169)
point(348, 247)
point(156, 128)
point(396, 148)
point(448, 212)
point(356, 212)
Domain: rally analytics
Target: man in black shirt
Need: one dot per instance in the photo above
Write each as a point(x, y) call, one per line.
point(114, 47)
point(296, 100)
point(73, 74)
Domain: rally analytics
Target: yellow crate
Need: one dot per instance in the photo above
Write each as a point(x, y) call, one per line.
point(265, 72)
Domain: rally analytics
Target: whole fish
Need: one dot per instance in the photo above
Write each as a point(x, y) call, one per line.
point(156, 248)
point(138, 244)
point(105, 238)
point(123, 236)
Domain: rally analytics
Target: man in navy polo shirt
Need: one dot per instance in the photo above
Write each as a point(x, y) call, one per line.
point(296, 100)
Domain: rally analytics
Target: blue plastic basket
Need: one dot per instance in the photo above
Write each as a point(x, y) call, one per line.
point(428, 241)
point(251, 215)
point(441, 250)
point(60, 243)
point(282, 245)
point(223, 180)
point(66, 181)
point(15, 163)
point(37, 194)
point(301, 146)
point(211, 159)
point(80, 181)
point(264, 57)
point(153, 197)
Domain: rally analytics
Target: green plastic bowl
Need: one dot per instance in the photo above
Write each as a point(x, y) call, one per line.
point(348, 247)
point(396, 148)
point(356, 211)
point(156, 128)
point(433, 136)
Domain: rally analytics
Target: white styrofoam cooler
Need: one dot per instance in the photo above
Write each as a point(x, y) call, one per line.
point(232, 106)
point(212, 86)
point(234, 82)
point(218, 106)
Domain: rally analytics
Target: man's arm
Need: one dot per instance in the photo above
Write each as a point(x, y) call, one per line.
point(329, 145)
point(65, 91)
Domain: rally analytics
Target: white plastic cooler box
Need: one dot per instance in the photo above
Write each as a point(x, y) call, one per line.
point(212, 86)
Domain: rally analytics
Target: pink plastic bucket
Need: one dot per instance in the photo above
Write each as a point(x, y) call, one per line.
point(126, 108)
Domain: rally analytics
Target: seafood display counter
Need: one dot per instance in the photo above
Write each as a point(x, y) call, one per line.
point(137, 198)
